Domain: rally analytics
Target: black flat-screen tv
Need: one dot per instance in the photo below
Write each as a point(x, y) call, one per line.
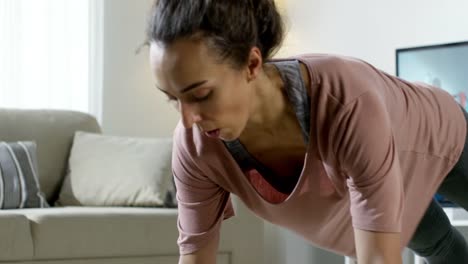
point(442, 65)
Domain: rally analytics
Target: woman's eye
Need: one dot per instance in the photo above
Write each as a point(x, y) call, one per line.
point(202, 95)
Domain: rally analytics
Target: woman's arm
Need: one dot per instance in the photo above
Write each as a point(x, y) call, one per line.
point(202, 203)
point(377, 247)
point(206, 255)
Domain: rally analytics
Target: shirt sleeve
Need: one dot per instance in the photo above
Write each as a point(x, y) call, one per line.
point(365, 148)
point(202, 204)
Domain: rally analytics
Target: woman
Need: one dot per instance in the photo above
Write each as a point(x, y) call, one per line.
point(329, 147)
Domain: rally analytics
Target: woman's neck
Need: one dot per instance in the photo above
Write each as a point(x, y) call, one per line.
point(271, 114)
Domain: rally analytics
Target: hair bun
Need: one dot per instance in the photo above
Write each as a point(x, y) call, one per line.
point(270, 26)
point(231, 27)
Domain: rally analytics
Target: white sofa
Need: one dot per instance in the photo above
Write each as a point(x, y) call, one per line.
point(85, 235)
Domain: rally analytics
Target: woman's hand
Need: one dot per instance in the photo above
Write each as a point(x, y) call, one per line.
point(377, 247)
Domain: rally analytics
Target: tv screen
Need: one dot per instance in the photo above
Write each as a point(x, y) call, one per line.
point(444, 66)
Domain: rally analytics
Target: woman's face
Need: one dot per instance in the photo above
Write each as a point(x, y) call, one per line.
point(211, 95)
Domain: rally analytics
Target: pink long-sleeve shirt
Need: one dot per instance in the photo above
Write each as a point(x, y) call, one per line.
point(379, 148)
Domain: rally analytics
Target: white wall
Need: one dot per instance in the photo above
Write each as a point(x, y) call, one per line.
point(131, 104)
point(373, 29)
point(370, 30)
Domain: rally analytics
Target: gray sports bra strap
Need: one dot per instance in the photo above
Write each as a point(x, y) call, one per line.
point(290, 72)
point(238, 152)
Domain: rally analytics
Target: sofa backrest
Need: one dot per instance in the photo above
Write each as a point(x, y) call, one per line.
point(53, 131)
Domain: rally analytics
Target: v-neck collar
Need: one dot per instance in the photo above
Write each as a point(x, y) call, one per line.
point(297, 94)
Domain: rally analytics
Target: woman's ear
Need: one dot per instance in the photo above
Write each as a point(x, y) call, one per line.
point(254, 64)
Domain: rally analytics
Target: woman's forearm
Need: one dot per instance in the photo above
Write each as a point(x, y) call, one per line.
point(380, 259)
point(377, 247)
point(206, 255)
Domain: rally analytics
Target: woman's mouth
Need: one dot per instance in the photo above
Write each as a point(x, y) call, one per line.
point(213, 133)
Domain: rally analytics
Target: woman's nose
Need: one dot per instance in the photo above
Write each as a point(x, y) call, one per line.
point(190, 114)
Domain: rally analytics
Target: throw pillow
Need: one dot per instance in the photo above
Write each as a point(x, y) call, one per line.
point(171, 199)
point(117, 171)
point(19, 184)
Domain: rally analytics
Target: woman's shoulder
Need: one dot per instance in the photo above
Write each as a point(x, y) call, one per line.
point(343, 77)
point(322, 67)
point(330, 62)
point(323, 64)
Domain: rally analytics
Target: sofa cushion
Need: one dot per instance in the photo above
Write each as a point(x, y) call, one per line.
point(19, 186)
point(53, 132)
point(117, 171)
point(92, 232)
point(15, 233)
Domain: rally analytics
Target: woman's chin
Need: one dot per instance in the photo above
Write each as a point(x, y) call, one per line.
point(227, 136)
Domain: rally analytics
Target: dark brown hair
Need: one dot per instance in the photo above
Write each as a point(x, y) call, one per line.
point(231, 27)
